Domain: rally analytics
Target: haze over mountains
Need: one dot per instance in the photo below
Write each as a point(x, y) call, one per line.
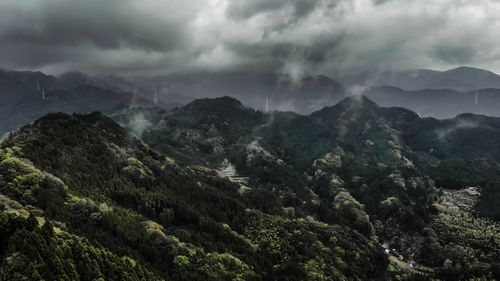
point(26, 96)
point(429, 93)
point(461, 79)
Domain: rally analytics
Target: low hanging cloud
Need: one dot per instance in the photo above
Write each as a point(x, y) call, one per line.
point(331, 37)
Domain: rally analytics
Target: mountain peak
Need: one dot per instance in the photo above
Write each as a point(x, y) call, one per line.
point(358, 105)
point(211, 102)
point(357, 100)
point(467, 68)
point(224, 108)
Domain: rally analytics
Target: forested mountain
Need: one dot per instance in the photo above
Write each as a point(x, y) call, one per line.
point(381, 171)
point(84, 200)
point(26, 96)
point(218, 191)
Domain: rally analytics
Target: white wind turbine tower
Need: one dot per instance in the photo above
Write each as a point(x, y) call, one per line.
point(38, 89)
point(267, 104)
point(476, 101)
point(155, 101)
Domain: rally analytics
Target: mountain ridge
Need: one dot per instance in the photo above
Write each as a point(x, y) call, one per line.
point(204, 220)
point(214, 198)
point(460, 79)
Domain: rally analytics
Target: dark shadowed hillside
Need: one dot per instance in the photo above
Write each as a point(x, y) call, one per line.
point(90, 189)
point(218, 191)
point(388, 163)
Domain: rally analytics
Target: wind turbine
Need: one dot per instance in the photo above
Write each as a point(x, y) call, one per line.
point(267, 104)
point(477, 98)
point(155, 101)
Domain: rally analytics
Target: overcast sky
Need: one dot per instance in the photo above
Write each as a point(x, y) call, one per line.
point(294, 36)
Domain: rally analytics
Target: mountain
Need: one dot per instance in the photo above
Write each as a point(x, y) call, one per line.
point(421, 185)
point(21, 92)
point(438, 103)
point(252, 88)
point(461, 79)
point(83, 199)
point(430, 93)
point(215, 190)
point(26, 96)
point(74, 79)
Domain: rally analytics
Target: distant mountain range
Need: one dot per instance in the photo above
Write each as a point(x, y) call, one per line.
point(252, 88)
point(443, 103)
point(427, 92)
point(430, 93)
point(462, 79)
point(26, 96)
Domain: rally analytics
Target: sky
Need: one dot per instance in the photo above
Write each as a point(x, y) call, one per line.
point(331, 37)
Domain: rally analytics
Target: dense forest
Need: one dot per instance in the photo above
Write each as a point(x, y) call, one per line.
point(217, 191)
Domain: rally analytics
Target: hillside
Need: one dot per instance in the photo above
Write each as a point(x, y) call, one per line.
point(388, 163)
point(218, 191)
point(100, 197)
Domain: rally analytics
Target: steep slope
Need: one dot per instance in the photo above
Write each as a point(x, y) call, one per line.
point(377, 170)
point(89, 178)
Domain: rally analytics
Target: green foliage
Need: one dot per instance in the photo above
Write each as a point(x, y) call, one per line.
point(315, 249)
point(321, 187)
point(32, 252)
point(181, 223)
point(488, 202)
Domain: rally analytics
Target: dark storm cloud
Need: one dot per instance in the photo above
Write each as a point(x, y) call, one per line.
point(40, 33)
point(107, 24)
point(294, 36)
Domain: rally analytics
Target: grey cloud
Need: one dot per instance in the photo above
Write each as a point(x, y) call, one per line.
point(103, 24)
point(456, 54)
point(244, 9)
point(38, 33)
point(298, 36)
